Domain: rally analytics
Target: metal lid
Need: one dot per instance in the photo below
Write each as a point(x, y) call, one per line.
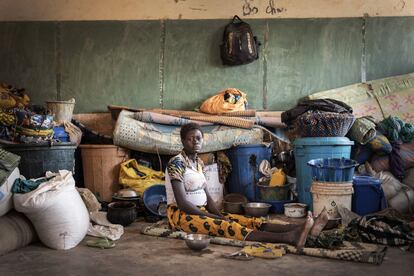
point(365, 180)
point(323, 141)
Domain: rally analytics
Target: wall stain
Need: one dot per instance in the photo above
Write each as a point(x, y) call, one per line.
point(58, 58)
point(264, 53)
point(400, 6)
point(198, 9)
point(161, 62)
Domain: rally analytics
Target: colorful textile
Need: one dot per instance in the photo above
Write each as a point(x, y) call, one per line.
point(397, 130)
point(264, 250)
point(322, 105)
point(11, 97)
point(192, 176)
point(355, 252)
point(381, 163)
point(235, 227)
point(224, 166)
point(380, 144)
point(380, 98)
point(396, 162)
point(34, 132)
point(328, 239)
point(380, 229)
point(7, 117)
point(21, 186)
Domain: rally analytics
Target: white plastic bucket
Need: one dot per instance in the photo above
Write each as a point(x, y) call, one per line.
point(330, 195)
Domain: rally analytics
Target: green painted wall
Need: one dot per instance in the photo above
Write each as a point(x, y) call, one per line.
point(176, 64)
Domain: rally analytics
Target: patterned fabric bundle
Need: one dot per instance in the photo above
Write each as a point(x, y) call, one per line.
point(382, 163)
point(363, 130)
point(380, 145)
point(381, 229)
point(323, 124)
point(397, 130)
point(8, 162)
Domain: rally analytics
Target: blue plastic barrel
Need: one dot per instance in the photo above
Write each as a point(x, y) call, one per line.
point(368, 195)
point(245, 161)
point(306, 149)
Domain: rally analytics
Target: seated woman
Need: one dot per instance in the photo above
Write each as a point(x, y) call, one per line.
point(192, 210)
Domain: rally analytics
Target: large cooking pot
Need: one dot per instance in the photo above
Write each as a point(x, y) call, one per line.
point(129, 195)
point(233, 203)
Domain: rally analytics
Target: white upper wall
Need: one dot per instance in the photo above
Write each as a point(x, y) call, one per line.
point(67, 10)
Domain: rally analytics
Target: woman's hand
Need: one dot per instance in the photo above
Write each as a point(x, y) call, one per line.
point(211, 205)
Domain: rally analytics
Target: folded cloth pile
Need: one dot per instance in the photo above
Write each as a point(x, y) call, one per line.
point(8, 162)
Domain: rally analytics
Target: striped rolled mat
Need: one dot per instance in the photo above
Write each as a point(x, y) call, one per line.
point(172, 112)
point(223, 120)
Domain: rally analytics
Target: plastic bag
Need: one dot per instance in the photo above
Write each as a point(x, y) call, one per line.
point(228, 100)
point(139, 177)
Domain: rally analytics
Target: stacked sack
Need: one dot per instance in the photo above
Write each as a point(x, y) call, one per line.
point(387, 149)
point(55, 208)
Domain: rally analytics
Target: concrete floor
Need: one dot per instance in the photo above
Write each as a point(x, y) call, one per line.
point(137, 254)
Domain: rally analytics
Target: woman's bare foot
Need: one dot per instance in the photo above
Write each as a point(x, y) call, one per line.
point(304, 231)
point(320, 223)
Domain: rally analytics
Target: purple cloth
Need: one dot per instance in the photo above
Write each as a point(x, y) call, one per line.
point(396, 162)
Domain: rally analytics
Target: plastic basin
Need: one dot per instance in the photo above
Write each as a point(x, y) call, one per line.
point(332, 169)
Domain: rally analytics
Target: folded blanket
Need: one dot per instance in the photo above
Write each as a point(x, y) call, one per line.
point(363, 130)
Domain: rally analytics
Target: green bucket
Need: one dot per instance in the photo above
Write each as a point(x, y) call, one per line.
point(274, 193)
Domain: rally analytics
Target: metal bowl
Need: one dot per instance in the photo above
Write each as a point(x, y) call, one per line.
point(126, 193)
point(295, 210)
point(256, 209)
point(197, 241)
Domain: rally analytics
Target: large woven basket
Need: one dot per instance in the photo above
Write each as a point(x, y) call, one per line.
point(323, 124)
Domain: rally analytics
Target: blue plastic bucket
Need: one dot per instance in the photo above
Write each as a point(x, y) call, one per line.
point(306, 149)
point(368, 195)
point(245, 161)
point(332, 169)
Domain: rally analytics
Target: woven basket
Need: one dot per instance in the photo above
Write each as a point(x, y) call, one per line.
point(323, 124)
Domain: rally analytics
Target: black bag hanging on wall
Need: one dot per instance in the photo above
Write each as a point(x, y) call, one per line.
point(239, 45)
